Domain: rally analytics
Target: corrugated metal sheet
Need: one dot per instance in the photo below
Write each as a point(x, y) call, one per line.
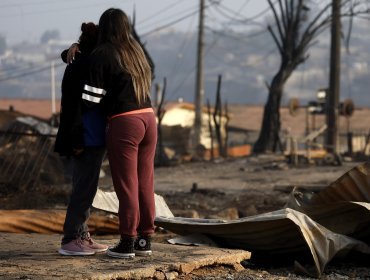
point(108, 201)
point(333, 221)
point(50, 221)
point(352, 186)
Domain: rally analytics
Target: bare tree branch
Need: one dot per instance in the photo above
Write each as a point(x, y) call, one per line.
point(276, 40)
point(293, 38)
point(349, 32)
point(278, 23)
point(314, 21)
point(297, 19)
point(284, 13)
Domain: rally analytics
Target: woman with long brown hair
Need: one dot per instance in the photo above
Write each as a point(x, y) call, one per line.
point(120, 80)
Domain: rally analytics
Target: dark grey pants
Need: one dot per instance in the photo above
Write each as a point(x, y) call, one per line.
point(86, 169)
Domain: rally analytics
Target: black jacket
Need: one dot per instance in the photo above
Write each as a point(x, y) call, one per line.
point(71, 133)
point(107, 84)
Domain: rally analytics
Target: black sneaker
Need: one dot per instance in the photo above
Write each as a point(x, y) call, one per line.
point(143, 246)
point(124, 249)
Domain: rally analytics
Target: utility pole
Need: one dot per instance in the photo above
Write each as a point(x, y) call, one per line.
point(332, 97)
point(199, 86)
point(158, 95)
point(52, 74)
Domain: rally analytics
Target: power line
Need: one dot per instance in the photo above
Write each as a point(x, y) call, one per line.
point(160, 12)
point(199, 86)
point(69, 8)
point(193, 70)
point(29, 3)
point(16, 69)
point(256, 62)
point(182, 47)
point(23, 74)
point(189, 14)
point(235, 17)
point(233, 13)
point(238, 37)
point(196, 11)
point(179, 86)
point(169, 24)
point(209, 48)
point(44, 68)
point(173, 17)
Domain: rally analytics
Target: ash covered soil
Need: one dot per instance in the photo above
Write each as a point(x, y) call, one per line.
point(244, 187)
point(251, 185)
point(227, 189)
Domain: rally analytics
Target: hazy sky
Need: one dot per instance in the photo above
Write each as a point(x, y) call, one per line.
point(28, 19)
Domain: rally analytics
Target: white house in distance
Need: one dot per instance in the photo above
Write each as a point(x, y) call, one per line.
point(177, 125)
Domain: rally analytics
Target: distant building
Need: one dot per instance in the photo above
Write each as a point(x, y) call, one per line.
point(40, 108)
point(177, 127)
point(181, 115)
point(244, 124)
point(55, 47)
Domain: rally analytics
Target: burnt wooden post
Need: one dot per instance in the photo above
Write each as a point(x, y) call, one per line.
point(217, 118)
point(161, 157)
point(210, 129)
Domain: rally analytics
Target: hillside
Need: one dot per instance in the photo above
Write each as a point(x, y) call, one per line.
point(244, 62)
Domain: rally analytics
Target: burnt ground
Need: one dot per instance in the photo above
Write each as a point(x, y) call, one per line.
point(226, 189)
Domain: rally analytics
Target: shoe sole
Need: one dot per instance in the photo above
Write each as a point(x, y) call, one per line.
point(143, 253)
point(120, 256)
point(100, 250)
point(74, 253)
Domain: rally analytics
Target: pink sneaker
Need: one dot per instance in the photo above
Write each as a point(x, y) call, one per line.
point(97, 247)
point(76, 247)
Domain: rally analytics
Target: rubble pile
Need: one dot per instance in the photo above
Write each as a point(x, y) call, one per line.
point(26, 156)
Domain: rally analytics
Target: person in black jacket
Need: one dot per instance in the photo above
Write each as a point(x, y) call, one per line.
point(119, 80)
point(81, 135)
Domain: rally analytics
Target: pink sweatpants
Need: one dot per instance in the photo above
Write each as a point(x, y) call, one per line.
point(131, 143)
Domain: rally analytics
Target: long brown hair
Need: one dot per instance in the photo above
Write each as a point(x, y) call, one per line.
point(115, 28)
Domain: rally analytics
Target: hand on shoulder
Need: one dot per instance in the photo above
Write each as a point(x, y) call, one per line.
point(73, 49)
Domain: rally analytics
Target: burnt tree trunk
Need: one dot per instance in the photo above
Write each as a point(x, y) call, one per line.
point(295, 27)
point(268, 139)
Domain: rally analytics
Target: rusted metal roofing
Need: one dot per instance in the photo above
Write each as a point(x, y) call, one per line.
point(334, 221)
